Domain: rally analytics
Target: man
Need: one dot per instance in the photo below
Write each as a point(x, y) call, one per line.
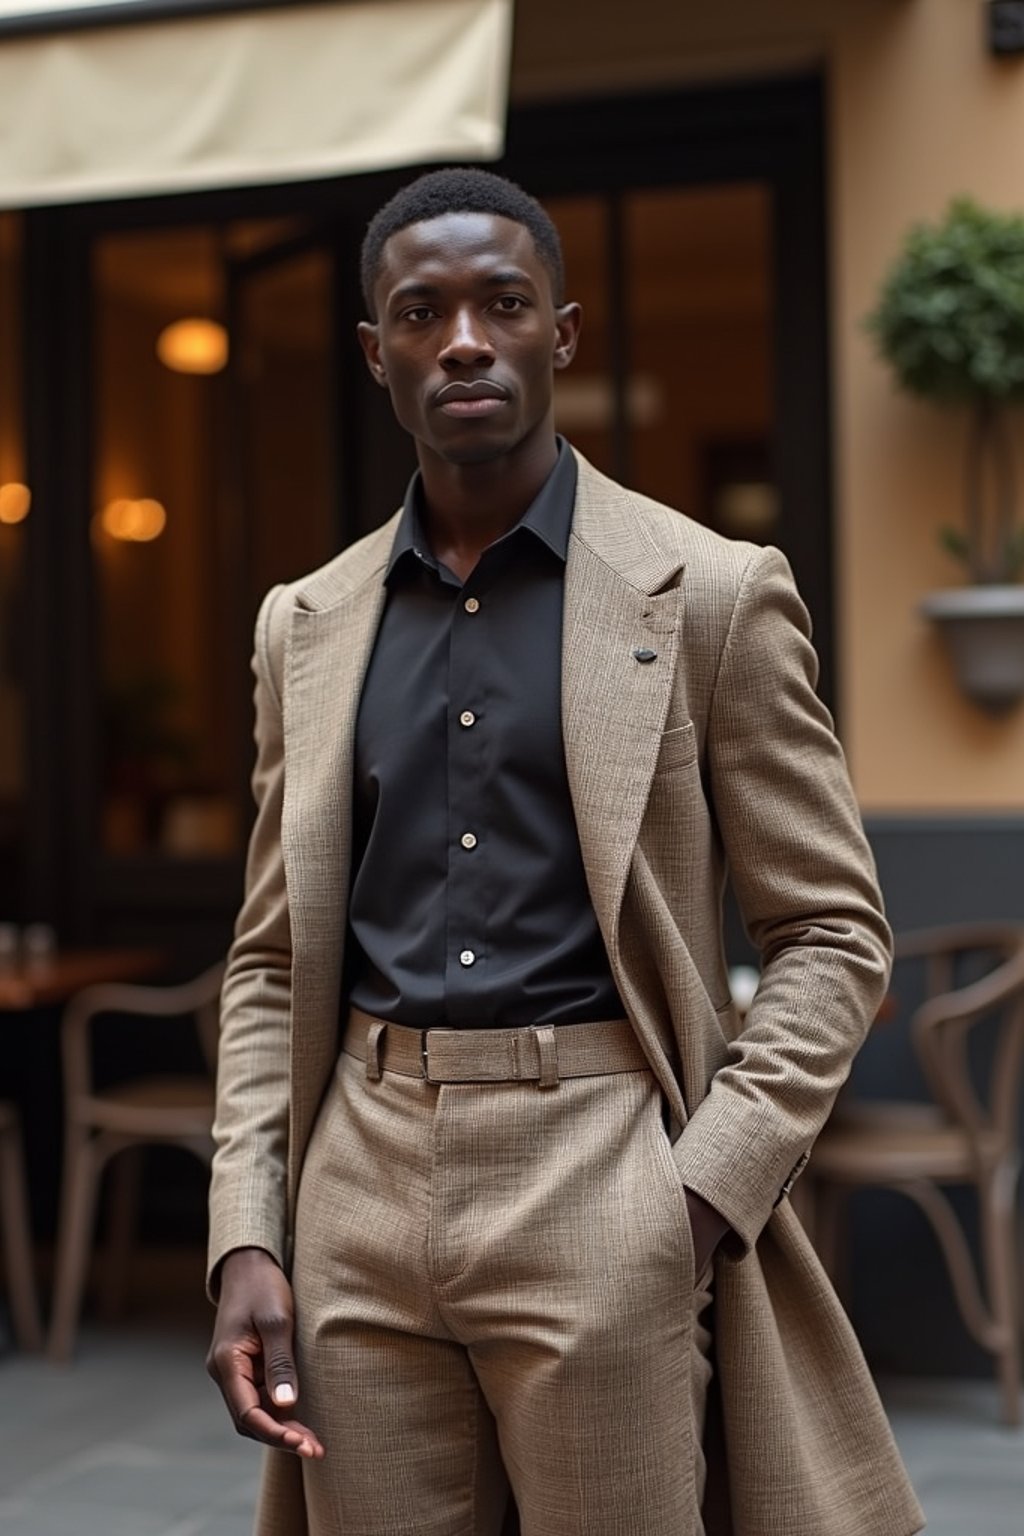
point(483, 1096)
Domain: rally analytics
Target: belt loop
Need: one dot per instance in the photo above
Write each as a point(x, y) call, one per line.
point(547, 1051)
point(373, 1048)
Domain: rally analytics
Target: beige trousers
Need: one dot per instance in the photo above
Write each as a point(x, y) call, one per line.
point(494, 1285)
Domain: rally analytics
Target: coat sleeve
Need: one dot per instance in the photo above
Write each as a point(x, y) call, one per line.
point(247, 1191)
point(805, 881)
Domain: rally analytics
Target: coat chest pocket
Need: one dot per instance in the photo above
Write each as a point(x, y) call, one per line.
point(678, 748)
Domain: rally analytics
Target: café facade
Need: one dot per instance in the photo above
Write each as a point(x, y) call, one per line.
point(185, 417)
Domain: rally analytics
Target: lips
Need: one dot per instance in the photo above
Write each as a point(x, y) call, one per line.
point(467, 390)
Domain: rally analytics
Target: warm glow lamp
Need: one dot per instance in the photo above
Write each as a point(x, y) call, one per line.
point(133, 522)
point(193, 345)
point(15, 501)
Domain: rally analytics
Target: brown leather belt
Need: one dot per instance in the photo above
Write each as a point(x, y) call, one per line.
point(540, 1053)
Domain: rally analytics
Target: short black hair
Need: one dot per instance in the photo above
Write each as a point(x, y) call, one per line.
point(459, 189)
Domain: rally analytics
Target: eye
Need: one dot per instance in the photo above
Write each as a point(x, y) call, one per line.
point(508, 303)
point(418, 313)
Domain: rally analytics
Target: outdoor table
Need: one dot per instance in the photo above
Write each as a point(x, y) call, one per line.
point(41, 983)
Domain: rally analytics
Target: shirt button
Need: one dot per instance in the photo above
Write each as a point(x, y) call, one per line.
point(467, 957)
point(468, 840)
point(472, 605)
point(467, 718)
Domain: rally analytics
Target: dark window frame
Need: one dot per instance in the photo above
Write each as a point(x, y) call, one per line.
point(770, 131)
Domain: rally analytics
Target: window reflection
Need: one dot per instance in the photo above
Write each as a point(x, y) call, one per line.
point(15, 511)
point(181, 516)
point(673, 380)
point(699, 277)
point(584, 393)
point(283, 404)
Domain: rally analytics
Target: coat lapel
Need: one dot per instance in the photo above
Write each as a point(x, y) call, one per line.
point(333, 627)
point(620, 598)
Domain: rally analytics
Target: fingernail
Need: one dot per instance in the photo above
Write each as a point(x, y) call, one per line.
point(284, 1395)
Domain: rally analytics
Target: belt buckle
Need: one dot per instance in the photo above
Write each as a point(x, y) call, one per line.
point(425, 1054)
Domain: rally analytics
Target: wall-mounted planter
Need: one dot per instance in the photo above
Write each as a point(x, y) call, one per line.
point(984, 630)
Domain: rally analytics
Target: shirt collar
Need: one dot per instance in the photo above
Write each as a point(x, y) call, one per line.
point(548, 517)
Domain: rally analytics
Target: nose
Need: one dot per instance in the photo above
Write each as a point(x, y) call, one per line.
point(466, 342)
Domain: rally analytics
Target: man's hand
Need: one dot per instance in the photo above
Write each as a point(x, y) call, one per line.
point(708, 1229)
point(250, 1355)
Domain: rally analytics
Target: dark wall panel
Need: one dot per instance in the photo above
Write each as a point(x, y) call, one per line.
point(932, 871)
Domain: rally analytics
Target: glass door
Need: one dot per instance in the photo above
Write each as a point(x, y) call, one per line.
point(694, 226)
point(212, 478)
point(672, 389)
point(283, 463)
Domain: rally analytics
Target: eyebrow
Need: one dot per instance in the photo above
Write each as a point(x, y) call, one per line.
point(414, 291)
point(510, 277)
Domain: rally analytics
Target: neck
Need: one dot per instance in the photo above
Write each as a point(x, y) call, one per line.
point(469, 506)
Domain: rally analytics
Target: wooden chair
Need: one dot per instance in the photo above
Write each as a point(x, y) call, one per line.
point(966, 1136)
point(17, 1236)
point(101, 1124)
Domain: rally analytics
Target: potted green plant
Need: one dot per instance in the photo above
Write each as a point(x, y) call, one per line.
point(950, 322)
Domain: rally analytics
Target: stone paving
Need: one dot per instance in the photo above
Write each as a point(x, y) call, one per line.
point(132, 1440)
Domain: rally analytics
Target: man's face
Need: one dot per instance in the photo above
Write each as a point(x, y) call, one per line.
point(468, 336)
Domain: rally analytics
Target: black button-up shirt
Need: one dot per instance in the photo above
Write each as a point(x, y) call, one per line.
point(469, 905)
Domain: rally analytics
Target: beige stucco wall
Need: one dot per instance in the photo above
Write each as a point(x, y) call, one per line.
point(918, 113)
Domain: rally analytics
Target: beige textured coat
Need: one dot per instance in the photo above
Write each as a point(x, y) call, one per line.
point(716, 755)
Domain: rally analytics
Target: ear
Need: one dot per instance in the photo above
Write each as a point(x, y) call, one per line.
point(369, 340)
point(568, 318)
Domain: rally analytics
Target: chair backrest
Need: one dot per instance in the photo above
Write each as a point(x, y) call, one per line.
point(198, 998)
point(943, 947)
point(943, 1024)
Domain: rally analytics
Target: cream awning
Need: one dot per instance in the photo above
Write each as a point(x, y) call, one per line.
point(274, 95)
